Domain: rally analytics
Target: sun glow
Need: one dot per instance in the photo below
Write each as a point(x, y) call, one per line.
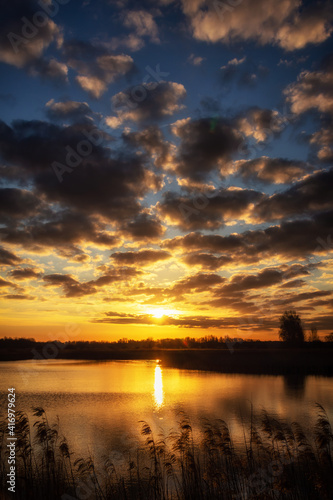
point(160, 312)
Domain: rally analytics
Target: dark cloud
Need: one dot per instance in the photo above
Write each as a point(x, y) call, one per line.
point(300, 297)
point(60, 230)
point(5, 283)
point(184, 321)
point(244, 282)
point(25, 273)
point(272, 170)
point(18, 296)
point(293, 284)
point(294, 239)
point(141, 257)
point(8, 258)
point(50, 69)
point(205, 145)
point(152, 142)
point(18, 203)
point(212, 242)
point(92, 184)
point(33, 146)
point(147, 102)
point(207, 260)
point(200, 282)
point(314, 193)
point(143, 227)
point(199, 212)
point(26, 31)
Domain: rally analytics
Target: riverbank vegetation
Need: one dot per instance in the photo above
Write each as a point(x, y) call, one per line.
point(275, 461)
point(208, 353)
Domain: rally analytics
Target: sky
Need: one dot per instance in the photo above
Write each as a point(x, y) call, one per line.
point(166, 168)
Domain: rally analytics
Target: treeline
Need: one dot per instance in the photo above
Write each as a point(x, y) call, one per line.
point(206, 342)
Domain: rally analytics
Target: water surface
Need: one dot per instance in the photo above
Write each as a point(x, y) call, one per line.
point(100, 404)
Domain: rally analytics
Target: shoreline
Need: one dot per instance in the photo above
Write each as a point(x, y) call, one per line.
point(266, 361)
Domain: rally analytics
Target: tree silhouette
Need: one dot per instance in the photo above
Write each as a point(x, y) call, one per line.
point(291, 329)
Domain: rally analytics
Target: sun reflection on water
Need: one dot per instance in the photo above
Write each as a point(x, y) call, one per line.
point(158, 387)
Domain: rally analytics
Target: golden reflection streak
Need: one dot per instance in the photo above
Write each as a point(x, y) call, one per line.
point(158, 387)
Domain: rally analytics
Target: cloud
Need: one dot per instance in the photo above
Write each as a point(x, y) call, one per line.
point(18, 296)
point(200, 282)
point(300, 297)
point(313, 90)
point(142, 227)
point(205, 145)
point(6, 284)
point(243, 282)
point(130, 42)
point(234, 62)
point(147, 102)
point(243, 72)
point(17, 203)
point(198, 321)
point(143, 24)
point(196, 211)
point(312, 25)
point(152, 142)
point(289, 240)
point(196, 60)
point(8, 258)
point(25, 273)
point(26, 32)
point(261, 21)
point(68, 110)
point(96, 65)
point(50, 69)
point(145, 257)
point(61, 231)
point(73, 288)
point(260, 124)
point(110, 186)
point(314, 193)
point(293, 284)
point(271, 170)
point(322, 140)
point(207, 260)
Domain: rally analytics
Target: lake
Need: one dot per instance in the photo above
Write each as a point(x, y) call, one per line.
point(100, 404)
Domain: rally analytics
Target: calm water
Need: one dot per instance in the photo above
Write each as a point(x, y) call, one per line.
point(100, 404)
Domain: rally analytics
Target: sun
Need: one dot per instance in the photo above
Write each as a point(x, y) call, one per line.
point(159, 312)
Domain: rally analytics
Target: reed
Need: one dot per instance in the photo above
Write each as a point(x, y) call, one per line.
point(275, 461)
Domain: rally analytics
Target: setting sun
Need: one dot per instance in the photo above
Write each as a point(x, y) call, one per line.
point(160, 312)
